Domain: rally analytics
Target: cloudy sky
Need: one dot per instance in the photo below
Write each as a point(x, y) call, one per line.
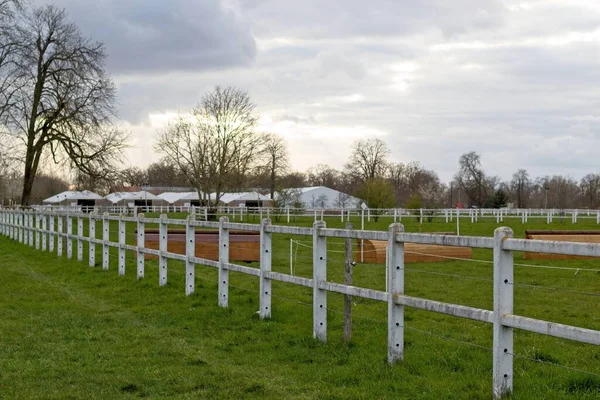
point(518, 82)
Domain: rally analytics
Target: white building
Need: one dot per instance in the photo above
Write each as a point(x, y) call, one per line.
point(245, 199)
point(321, 197)
point(131, 199)
point(73, 198)
point(181, 199)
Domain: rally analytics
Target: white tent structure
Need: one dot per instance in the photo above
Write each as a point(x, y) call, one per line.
point(322, 197)
point(74, 198)
point(180, 198)
point(140, 198)
point(247, 199)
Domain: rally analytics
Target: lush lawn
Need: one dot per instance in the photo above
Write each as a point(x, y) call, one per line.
point(69, 331)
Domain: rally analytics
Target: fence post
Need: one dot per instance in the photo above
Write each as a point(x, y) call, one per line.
point(266, 250)
point(190, 252)
point(348, 281)
point(223, 259)
point(79, 238)
point(395, 269)
point(59, 236)
point(25, 224)
point(51, 233)
point(140, 245)
point(37, 231)
point(122, 251)
point(163, 247)
point(21, 230)
point(319, 275)
point(69, 236)
point(31, 226)
point(44, 232)
point(105, 240)
point(92, 246)
point(503, 304)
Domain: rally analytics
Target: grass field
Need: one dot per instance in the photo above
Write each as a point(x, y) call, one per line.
point(69, 331)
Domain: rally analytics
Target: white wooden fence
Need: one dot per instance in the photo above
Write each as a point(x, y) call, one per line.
point(37, 228)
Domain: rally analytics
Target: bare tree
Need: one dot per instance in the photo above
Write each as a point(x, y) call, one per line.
point(368, 159)
point(520, 184)
point(590, 186)
point(165, 173)
point(323, 175)
point(472, 179)
point(275, 159)
point(133, 176)
point(215, 145)
point(58, 98)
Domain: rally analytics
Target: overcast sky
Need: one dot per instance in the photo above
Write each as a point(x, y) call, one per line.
point(518, 82)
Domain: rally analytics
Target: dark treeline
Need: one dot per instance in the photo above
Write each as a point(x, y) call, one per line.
point(368, 174)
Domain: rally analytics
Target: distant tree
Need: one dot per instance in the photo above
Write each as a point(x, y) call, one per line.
point(56, 96)
point(164, 173)
point(520, 185)
point(343, 200)
point(275, 160)
point(215, 144)
point(500, 199)
point(368, 159)
point(133, 176)
point(46, 186)
point(377, 193)
point(472, 179)
point(293, 180)
point(323, 175)
point(590, 186)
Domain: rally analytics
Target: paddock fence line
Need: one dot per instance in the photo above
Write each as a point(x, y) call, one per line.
point(37, 229)
point(290, 214)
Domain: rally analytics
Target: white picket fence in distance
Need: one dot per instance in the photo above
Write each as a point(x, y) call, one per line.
point(19, 225)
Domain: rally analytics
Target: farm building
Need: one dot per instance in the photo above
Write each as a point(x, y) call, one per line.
point(74, 198)
point(246, 199)
point(181, 199)
point(321, 197)
point(140, 198)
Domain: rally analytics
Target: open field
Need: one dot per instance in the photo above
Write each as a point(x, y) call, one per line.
point(69, 331)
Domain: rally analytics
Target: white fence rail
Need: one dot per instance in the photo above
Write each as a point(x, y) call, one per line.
point(242, 214)
point(36, 228)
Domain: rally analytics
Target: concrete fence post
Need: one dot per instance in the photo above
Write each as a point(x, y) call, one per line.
point(31, 228)
point(92, 244)
point(25, 224)
point(503, 304)
point(163, 247)
point(69, 236)
point(122, 250)
point(44, 232)
point(21, 230)
point(140, 246)
point(105, 240)
point(266, 251)
point(223, 259)
point(396, 287)
point(59, 235)
point(319, 275)
point(38, 225)
point(51, 235)
point(80, 235)
point(190, 252)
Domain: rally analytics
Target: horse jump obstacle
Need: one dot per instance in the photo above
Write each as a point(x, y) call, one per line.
point(562, 236)
point(243, 245)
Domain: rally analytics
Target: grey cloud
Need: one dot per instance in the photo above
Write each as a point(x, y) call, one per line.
point(160, 35)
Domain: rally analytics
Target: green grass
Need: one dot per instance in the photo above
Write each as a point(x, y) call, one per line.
point(69, 331)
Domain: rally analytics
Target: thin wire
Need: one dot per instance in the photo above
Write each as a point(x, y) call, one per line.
point(553, 364)
point(449, 275)
point(558, 289)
